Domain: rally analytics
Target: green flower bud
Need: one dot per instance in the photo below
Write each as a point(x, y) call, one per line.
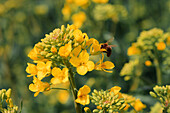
point(153, 94)
point(49, 54)
point(95, 111)
point(43, 53)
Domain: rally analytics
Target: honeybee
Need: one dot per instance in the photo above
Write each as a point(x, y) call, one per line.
point(107, 47)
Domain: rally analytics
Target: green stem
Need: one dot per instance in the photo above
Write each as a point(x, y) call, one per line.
point(73, 88)
point(135, 84)
point(158, 71)
point(60, 88)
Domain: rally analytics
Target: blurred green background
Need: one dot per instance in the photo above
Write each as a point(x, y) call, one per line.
point(24, 22)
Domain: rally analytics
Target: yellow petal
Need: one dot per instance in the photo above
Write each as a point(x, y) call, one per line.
point(84, 90)
point(48, 65)
point(55, 80)
point(90, 65)
point(78, 35)
point(84, 100)
point(40, 65)
point(36, 94)
point(76, 51)
point(75, 61)
point(84, 56)
point(31, 68)
point(65, 51)
point(56, 71)
point(82, 70)
point(41, 74)
point(115, 89)
point(108, 65)
point(33, 88)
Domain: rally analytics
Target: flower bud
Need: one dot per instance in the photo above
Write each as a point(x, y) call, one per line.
point(152, 94)
point(8, 93)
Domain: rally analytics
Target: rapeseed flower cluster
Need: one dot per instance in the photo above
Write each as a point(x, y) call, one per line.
point(59, 53)
point(150, 49)
point(108, 101)
point(162, 93)
point(6, 103)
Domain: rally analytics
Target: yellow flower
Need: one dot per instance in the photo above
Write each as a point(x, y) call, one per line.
point(133, 50)
point(78, 35)
point(60, 76)
point(66, 11)
point(81, 2)
point(31, 69)
point(34, 54)
point(95, 47)
point(115, 89)
point(100, 65)
point(161, 46)
point(100, 1)
point(65, 51)
point(82, 63)
point(53, 50)
point(79, 18)
point(38, 86)
point(72, 27)
point(148, 63)
point(43, 69)
point(82, 96)
point(138, 105)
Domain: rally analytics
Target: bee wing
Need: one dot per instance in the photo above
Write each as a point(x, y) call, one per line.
point(112, 46)
point(110, 40)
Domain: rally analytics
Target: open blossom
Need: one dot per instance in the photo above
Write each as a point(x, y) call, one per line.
point(82, 63)
point(31, 69)
point(82, 96)
point(38, 86)
point(34, 54)
point(133, 50)
point(60, 76)
point(95, 47)
point(65, 51)
point(138, 105)
point(78, 35)
point(44, 69)
point(100, 65)
point(78, 19)
point(116, 90)
point(41, 70)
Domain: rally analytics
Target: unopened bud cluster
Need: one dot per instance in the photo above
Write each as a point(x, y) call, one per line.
point(107, 101)
point(6, 103)
point(49, 46)
point(162, 93)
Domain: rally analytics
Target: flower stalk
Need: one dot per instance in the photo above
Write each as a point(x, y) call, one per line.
point(158, 71)
point(73, 89)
